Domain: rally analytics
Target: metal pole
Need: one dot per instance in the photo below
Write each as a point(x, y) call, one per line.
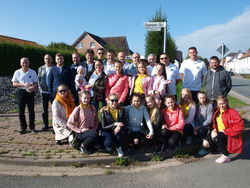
point(165, 37)
point(222, 53)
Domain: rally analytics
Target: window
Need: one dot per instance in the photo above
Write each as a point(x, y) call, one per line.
point(92, 45)
point(79, 45)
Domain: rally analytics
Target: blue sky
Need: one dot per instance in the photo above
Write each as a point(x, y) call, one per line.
point(201, 23)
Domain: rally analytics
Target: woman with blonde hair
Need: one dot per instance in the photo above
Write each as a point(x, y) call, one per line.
point(113, 125)
point(84, 122)
point(188, 107)
point(62, 107)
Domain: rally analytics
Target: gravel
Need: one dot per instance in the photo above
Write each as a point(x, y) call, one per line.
point(8, 100)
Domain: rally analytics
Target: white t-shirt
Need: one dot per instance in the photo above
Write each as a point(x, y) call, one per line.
point(172, 74)
point(193, 73)
point(109, 68)
point(22, 77)
point(92, 80)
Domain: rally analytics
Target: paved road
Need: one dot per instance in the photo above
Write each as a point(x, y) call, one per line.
point(205, 173)
point(241, 86)
point(241, 89)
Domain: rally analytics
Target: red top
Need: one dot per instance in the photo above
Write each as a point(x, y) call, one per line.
point(174, 120)
point(234, 125)
point(117, 84)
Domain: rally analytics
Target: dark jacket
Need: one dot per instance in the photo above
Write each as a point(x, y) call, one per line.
point(217, 83)
point(108, 121)
point(99, 86)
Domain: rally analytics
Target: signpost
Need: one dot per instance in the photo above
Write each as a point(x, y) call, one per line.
point(156, 26)
point(222, 50)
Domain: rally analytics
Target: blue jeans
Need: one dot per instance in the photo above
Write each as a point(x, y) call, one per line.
point(113, 140)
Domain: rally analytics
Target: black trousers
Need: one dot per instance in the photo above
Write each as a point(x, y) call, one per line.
point(23, 98)
point(171, 137)
point(45, 115)
point(87, 138)
point(220, 141)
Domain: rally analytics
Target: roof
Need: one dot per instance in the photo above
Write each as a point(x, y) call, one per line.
point(18, 41)
point(96, 38)
point(232, 54)
point(120, 43)
point(247, 54)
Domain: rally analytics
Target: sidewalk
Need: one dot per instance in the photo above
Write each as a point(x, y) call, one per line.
point(39, 149)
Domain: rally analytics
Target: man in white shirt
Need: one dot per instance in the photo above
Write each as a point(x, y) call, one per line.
point(152, 62)
point(25, 79)
point(192, 71)
point(43, 73)
point(172, 74)
point(109, 68)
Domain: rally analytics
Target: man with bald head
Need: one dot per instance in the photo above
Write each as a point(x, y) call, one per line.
point(25, 79)
point(130, 69)
point(152, 62)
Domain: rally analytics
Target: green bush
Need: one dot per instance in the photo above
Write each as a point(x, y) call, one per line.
point(10, 55)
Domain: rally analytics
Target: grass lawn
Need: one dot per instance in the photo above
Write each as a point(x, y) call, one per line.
point(247, 76)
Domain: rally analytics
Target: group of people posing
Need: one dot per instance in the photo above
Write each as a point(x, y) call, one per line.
point(118, 104)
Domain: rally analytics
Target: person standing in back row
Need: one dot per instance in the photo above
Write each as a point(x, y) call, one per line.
point(25, 79)
point(192, 71)
point(43, 73)
point(217, 80)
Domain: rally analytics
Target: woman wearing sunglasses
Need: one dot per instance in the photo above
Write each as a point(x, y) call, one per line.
point(62, 107)
point(113, 122)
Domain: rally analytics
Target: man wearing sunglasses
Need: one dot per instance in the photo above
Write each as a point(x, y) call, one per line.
point(100, 53)
point(172, 73)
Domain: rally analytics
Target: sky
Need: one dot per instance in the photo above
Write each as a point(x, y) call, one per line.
point(204, 24)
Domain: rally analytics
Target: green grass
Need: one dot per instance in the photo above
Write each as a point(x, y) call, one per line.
point(108, 172)
point(181, 155)
point(156, 157)
point(122, 161)
point(31, 153)
point(235, 103)
point(247, 76)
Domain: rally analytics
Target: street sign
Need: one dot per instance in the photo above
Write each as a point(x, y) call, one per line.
point(222, 49)
point(154, 24)
point(154, 28)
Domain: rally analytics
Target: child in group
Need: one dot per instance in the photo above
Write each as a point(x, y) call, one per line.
point(159, 83)
point(203, 118)
point(227, 131)
point(155, 117)
point(188, 107)
point(113, 125)
point(136, 115)
point(142, 82)
point(172, 129)
point(80, 81)
point(84, 122)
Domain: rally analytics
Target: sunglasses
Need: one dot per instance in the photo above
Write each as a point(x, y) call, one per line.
point(62, 90)
point(100, 53)
point(114, 100)
point(164, 58)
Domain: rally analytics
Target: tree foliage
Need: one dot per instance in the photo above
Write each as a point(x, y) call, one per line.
point(154, 39)
point(61, 46)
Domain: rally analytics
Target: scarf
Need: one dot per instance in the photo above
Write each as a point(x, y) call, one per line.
point(67, 102)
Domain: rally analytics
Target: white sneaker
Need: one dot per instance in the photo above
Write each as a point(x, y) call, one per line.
point(223, 159)
point(189, 140)
point(119, 152)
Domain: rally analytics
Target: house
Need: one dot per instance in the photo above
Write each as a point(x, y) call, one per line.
point(238, 62)
point(18, 41)
point(88, 40)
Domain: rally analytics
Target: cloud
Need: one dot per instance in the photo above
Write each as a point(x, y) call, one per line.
point(235, 34)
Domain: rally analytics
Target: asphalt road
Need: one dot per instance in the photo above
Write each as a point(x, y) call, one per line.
point(205, 173)
point(241, 86)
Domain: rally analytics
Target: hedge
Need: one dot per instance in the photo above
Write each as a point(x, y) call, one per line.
point(10, 55)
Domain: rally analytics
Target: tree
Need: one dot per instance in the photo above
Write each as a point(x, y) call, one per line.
point(61, 46)
point(154, 39)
